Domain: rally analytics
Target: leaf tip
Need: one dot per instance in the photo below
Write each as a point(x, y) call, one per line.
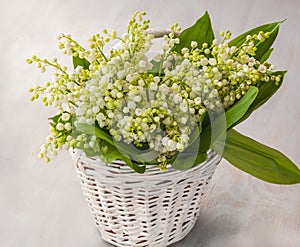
point(282, 21)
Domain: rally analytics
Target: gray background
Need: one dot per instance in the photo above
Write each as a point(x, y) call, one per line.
point(42, 205)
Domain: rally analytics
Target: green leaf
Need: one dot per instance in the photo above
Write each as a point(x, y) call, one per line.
point(115, 155)
point(201, 32)
point(191, 155)
point(127, 150)
point(186, 160)
point(266, 56)
point(266, 91)
point(197, 131)
point(205, 136)
point(134, 166)
point(95, 131)
point(201, 157)
point(258, 160)
point(85, 64)
point(218, 127)
point(112, 155)
point(205, 141)
point(239, 109)
point(142, 156)
point(262, 47)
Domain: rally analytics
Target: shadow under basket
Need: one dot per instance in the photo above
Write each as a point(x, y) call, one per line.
point(138, 210)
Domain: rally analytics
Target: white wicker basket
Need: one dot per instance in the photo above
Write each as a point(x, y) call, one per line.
point(137, 210)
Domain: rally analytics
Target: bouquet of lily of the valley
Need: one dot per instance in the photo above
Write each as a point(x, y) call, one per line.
point(166, 107)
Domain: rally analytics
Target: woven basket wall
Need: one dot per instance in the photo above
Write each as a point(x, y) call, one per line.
point(137, 210)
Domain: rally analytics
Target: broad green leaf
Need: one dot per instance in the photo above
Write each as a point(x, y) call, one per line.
point(197, 131)
point(187, 160)
point(143, 156)
point(128, 150)
point(205, 136)
point(266, 56)
point(218, 127)
point(266, 91)
point(258, 160)
point(134, 166)
point(85, 64)
point(201, 157)
point(205, 141)
point(191, 155)
point(201, 32)
point(239, 109)
point(95, 131)
point(262, 47)
point(107, 153)
point(239, 40)
point(112, 153)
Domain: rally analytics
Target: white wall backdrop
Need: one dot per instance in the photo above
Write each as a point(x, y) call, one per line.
point(42, 205)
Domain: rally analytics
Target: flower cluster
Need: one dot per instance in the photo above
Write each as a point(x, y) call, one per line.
point(141, 101)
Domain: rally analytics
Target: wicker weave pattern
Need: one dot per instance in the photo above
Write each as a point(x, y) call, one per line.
point(151, 209)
